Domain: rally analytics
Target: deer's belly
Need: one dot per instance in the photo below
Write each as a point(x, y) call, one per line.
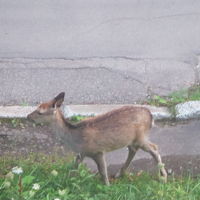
point(106, 144)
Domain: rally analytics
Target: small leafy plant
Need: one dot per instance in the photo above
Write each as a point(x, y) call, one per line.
point(190, 94)
point(77, 118)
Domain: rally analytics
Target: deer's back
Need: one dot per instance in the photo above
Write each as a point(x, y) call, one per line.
point(113, 130)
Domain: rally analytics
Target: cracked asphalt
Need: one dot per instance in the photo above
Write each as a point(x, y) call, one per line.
point(97, 52)
point(91, 81)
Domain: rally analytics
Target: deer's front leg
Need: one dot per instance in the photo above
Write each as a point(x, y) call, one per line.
point(131, 154)
point(102, 167)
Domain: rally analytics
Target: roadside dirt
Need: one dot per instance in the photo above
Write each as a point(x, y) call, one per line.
point(25, 138)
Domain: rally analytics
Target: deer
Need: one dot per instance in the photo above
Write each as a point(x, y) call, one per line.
point(92, 137)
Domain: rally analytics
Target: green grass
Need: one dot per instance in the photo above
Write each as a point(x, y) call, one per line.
point(81, 184)
point(13, 122)
point(190, 94)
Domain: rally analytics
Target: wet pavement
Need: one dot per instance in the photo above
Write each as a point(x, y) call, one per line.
point(179, 145)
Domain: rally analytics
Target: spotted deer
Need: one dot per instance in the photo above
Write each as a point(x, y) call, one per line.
point(124, 127)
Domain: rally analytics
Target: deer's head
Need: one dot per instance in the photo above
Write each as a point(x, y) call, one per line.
point(45, 111)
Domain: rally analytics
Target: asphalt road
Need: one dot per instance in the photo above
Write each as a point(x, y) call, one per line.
point(134, 28)
point(97, 51)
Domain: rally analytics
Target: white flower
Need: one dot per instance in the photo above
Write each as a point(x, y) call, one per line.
point(17, 170)
point(56, 199)
point(54, 173)
point(7, 184)
point(32, 193)
point(9, 176)
point(62, 192)
point(36, 186)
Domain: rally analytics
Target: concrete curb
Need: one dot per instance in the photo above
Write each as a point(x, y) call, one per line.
point(188, 110)
point(159, 113)
point(183, 111)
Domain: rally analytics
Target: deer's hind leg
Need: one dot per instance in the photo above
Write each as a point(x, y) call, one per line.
point(153, 150)
point(131, 153)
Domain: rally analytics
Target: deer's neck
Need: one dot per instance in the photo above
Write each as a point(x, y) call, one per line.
point(60, 121)
point(65, 132)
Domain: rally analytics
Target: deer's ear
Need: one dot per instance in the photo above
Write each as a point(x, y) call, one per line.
point(58, 100)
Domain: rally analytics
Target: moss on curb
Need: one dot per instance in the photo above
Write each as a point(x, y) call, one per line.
point(190, 94)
